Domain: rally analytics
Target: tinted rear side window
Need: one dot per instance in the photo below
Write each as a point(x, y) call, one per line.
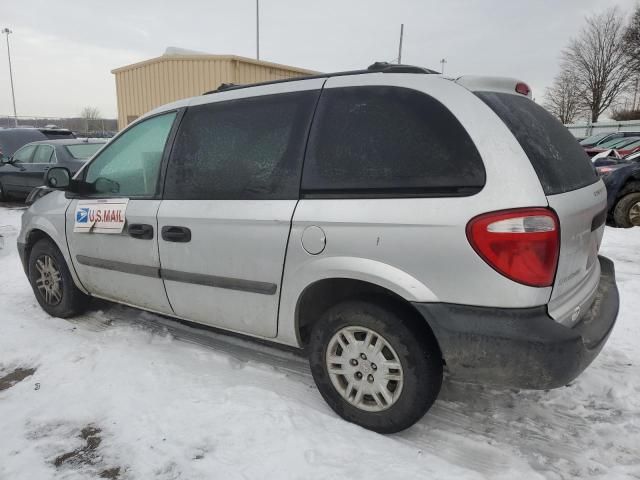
point(389, 140)
point(250, 148)
point(560, 162)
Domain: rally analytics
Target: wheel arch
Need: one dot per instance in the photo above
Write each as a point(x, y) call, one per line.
point(39, 232)
point(338, 275)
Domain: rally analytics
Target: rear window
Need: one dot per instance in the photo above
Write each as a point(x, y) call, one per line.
point(560, 162)
point(83, 150)
point(58, 134)
point(380, 140)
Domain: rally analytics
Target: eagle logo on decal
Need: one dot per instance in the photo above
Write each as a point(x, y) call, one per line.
point(82, 215)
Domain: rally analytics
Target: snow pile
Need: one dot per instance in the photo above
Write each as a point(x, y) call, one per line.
point(125, 394)
point(177, 51)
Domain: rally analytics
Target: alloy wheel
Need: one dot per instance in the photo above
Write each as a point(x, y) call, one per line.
point(49, 280)
point(634, 214)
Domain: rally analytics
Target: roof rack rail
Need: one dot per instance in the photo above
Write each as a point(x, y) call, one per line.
point(377, 67)
point(386, 67)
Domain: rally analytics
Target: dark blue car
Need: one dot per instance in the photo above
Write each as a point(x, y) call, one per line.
point(25, 169)
point(622, 178)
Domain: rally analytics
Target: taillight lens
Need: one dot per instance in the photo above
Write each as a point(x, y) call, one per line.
point(522, 88)
point(521, 244)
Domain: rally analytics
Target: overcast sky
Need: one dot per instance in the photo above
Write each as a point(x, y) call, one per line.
point(63, 51)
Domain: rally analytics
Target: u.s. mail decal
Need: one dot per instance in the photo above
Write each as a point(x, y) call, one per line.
point(100, 216)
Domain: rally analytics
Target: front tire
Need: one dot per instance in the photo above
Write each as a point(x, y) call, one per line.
point(374, 365)
point(52, 283)
point(626, 213)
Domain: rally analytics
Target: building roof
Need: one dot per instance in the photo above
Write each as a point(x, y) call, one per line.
point(177, 54)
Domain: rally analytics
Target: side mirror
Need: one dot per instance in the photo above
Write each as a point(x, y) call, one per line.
point(58, 178)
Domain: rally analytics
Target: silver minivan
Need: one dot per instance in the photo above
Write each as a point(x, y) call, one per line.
point(393, 223)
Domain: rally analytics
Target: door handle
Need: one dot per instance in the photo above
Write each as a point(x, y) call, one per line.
point(172, 233)
point(141, 231)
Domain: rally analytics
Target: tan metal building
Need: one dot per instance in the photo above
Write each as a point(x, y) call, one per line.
point(143, 86)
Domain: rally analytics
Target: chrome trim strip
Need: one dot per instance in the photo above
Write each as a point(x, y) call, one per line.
point(228, 283)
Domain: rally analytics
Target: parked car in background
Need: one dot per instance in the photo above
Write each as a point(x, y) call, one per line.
point(613, 144)
point(11, 139)
point(596, 140)
point(387, 239)
point(26, 168)
point(615, 159)
point(622, 180)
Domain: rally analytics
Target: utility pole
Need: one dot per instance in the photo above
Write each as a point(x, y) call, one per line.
point(442, 62)
point(257, 29)
point(635, 94)
point(400, 47)
point(13, 95)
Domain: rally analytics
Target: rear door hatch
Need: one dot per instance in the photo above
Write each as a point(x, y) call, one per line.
point(573, 191)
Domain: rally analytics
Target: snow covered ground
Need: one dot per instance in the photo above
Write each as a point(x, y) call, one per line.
point(119, 393)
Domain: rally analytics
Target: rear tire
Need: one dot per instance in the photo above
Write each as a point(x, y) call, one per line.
point(626, 213)
point(374, 365)
point(52, 283)
point(3, 196)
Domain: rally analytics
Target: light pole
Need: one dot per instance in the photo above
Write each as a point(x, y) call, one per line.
point(257, 29)
point(13, 95)
point(400, 46)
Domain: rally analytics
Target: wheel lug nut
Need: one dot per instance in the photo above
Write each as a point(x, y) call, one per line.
point(374, 366)
point(363, 356)
point(370, 378)
point(359, 375)
point(354, 362)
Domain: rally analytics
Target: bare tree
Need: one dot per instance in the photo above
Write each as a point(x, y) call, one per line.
point(631, 41)
point(597, 59)
point(89, 114)
point(631, 46)
point(563, 98)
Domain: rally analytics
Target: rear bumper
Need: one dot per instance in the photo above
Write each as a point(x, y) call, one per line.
point(523, 348)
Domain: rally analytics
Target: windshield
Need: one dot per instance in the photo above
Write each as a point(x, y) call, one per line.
point(634, 144)
point(618, 142)
point(593, 139)
point(83, 151)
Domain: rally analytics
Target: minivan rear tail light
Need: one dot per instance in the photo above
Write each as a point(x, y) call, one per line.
point(521, 244)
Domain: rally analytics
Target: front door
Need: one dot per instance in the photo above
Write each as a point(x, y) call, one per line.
point(15, 174)
point(231, 189)
point(122, 265)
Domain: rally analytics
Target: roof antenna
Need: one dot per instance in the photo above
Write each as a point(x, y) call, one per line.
point(442, 62)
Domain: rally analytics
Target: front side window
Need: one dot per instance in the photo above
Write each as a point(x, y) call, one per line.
point(130, 166)
point(43, 154)
point(25, 154)
point(381, 140)
point(249, 148)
